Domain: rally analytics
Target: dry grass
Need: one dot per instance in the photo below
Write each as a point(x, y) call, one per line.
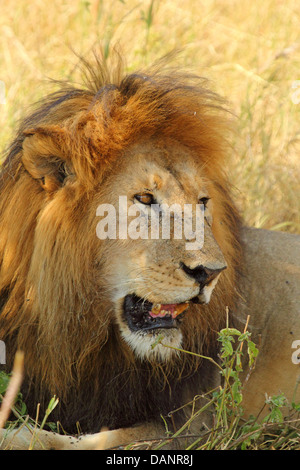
point(250, 51)
point(279, 430)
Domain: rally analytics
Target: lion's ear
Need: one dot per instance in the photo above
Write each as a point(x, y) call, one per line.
point(45, 156)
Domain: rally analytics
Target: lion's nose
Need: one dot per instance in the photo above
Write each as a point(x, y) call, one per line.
point(202, 274)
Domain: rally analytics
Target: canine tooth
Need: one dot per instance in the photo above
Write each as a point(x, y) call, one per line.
point(181, 308)
point(156, 308)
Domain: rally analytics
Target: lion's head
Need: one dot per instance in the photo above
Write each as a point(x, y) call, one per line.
point(152, 281)
point(87, 309)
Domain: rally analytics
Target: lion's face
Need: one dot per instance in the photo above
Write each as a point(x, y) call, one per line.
point(151, 282)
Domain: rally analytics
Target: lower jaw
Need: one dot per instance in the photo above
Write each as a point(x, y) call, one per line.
point(158, 324)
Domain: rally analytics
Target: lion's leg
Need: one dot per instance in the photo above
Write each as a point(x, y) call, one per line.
point(23, 439)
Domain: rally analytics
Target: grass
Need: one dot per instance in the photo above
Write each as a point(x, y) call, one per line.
point(252, 59)
point(278, 430)
point(251, 53)
point(12, 403)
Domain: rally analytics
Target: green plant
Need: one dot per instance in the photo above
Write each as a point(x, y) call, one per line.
point(20, 407)
point(19, 410)
point(231, 430)
point(229, 397)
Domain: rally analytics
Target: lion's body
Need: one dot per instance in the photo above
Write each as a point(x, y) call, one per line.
point(271, 288)
point(72, 302)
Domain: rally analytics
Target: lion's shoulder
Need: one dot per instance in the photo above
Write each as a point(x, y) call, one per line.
point(271, 282)
point(280, 246)
point(271, 298)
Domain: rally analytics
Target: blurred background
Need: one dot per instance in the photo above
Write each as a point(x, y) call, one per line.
point(250, 50)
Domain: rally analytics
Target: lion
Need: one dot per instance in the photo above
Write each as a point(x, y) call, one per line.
point(103, 321)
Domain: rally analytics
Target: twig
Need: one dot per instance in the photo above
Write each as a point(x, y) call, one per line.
point(245, 329)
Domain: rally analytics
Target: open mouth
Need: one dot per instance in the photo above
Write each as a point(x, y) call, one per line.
point(143, 315)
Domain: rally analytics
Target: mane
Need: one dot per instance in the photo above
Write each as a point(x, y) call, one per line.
point(160, 100)
point(53, 314)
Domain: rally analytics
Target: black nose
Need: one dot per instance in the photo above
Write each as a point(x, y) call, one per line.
point(201, 274)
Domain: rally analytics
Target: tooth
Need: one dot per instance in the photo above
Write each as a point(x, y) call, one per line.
point(181, 308)
point(156, 308)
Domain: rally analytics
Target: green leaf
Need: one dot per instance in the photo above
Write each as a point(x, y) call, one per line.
point(4, 381)
point(236, 392)
point(274, 417)
point(21, 407)
point(252, 352)
point(246, 429)
point(296, 406)
point(277, 400)
point(230, 331)
point(227, 349)
point(244, 336)
point(52, 404)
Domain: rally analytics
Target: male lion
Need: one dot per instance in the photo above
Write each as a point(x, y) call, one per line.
point(86, 311)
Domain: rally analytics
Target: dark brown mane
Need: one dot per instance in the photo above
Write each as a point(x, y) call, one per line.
point(49, 308)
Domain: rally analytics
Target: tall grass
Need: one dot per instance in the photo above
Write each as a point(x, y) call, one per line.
point(249, 50)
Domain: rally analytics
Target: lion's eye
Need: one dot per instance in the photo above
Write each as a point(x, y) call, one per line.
point(204, 200)
point(145, 198)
